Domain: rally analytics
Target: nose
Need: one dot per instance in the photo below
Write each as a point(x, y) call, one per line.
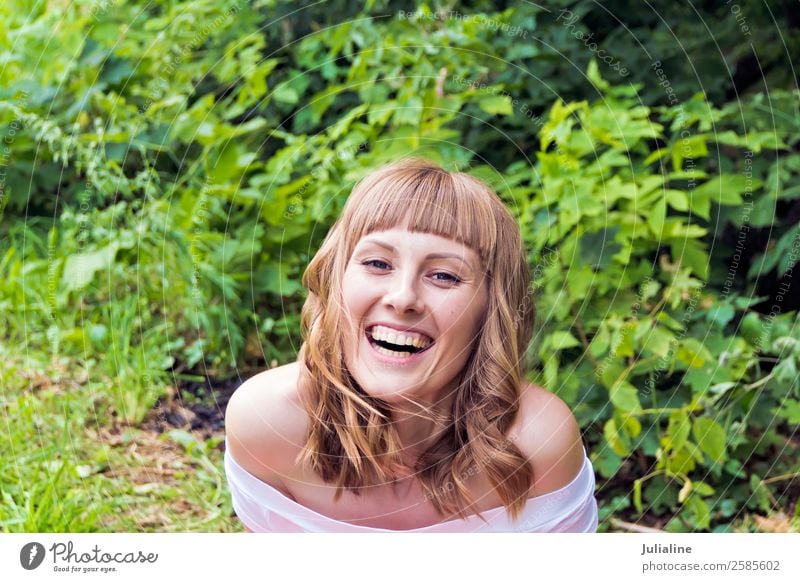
point(402, 295)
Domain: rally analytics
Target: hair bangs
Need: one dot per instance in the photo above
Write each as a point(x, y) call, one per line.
point(428, 200)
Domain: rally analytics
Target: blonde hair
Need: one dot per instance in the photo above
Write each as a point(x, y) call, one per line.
point(351, 441)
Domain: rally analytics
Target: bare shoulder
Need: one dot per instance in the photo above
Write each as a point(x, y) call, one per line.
point(547, 434)
point(265, 423)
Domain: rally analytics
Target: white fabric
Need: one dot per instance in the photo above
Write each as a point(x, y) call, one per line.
point(262, 508)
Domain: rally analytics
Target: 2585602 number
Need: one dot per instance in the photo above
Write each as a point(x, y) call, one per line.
point(756, 565)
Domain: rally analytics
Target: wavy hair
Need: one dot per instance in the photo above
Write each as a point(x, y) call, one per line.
point(351, 441)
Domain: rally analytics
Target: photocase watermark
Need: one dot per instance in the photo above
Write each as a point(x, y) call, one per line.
point(79, 256)
point(569, 21)
point(741, 237)
point(199, 226)
point(783, 289)
point(672, 97)
point(31, 555)
point(550, 257)
point(626, 329)
point(545, 508)
point(100, 7)
point(522, 107)
point(12, 130)
point(664, 361)
point(473, 470)
point(295, 202)
point(496, 91)
point(741, 20)
point(66, 559)
point(686, 135)
point(493, 24)
point(166, 74)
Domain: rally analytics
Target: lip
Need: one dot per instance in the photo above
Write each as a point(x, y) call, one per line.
point(410, 359)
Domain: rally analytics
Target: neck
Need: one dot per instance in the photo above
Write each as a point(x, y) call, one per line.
point(420, 425)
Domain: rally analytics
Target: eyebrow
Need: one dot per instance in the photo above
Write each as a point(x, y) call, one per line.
point(427, 257)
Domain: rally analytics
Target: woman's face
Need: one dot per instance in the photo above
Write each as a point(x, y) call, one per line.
point(414, 303)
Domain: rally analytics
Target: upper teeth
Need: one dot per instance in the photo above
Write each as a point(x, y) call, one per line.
point(399, 338)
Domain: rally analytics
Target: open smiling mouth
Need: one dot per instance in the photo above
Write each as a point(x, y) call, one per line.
point(396, 344)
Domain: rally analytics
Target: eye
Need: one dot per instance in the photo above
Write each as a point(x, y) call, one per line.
point(439, 276)
point(376, 264)
point(452, 279)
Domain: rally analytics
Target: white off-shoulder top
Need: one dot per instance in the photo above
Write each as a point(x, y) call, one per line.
point(262, 508)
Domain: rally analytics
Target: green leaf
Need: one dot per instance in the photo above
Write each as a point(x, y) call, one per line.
point(698, 512)
point(285, 93)
point(497, 105)
point(720, 315)
point(656, 216)
point(656, 155)
point(610, 370)
point(763, 213)
point(690, 148)
point(677, 430)
point(408, 112)
point(274, 278)
point(700, 203)
point(677, 199)
point(637, 495)
point(80, 269)
point(623, 340)
point(657, 340)
point(183, 438)
point(678, 228)
point(319, 103)
point(632, 426)
point(230, 164)
point(649, 188)
point(727, 188)
point(710, 437)
point(593, 74)
point(693, 353)
point(600, 342)
point(597, 248)
point(607, 462)
point(614, 439)
point(752, 329)
point(696, 257)
point(625, 397)
point(682, 461)
point(790, 410)
point(702, 488)
point(562, 340)
point(551, 370)
point(761, 493)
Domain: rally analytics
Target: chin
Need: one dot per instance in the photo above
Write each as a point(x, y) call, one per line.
point(388, 389)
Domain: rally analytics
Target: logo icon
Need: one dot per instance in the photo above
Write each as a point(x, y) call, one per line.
point(31, 555)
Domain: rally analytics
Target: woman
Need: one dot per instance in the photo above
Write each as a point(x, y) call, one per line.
point(407, 409)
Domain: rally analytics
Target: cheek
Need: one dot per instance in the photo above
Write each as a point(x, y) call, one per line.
point(472, 311)
point(356, 294)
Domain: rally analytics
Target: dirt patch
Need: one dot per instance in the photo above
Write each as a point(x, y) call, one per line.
point(197, 407)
